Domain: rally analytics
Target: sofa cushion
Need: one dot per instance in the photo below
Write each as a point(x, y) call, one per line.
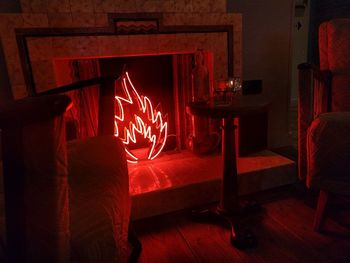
point(328, 143)
point(340, 92)
point(334, 45)
point(99, 200)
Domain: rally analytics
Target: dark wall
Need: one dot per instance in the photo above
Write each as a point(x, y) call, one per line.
point(267, 32)
point(320, 11)
point(10, 6)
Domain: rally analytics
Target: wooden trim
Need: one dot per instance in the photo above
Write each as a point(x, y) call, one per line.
point(23, 34)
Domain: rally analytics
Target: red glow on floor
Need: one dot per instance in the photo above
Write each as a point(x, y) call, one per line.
point(146, 121)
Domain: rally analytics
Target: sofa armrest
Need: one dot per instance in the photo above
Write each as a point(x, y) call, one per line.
point(314, 99)
point(328, 142)
point(106, 100)
point(314, 90)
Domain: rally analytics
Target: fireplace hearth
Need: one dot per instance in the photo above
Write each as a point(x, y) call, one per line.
point(182, 180)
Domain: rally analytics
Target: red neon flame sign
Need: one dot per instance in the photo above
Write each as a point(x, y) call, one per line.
point(154, 122)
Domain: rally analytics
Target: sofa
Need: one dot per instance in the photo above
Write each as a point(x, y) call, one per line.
point(64, 201)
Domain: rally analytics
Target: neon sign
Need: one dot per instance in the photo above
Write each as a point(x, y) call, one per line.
point(146, 121)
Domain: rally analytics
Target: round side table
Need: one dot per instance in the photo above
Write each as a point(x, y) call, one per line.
point(229, 205)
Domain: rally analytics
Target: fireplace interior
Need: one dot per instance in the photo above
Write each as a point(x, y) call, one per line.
point(164, 79)
point(152, 76)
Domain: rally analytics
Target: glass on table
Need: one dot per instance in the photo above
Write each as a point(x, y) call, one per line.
point(226, 90)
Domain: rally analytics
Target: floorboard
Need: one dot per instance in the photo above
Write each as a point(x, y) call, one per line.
point(162, 242)
point(283, 229)
point(210, 242)
point(276, 244)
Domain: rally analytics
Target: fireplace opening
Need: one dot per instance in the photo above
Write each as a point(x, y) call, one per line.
point(152, 78)
point(165, 79)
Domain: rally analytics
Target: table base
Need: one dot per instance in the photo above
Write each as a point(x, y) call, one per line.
point(241, 237)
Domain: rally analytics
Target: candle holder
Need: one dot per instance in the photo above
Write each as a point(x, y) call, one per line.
point(226, 89)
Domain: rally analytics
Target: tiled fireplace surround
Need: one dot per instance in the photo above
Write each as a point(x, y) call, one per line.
point(31, 41)
point(176, 33)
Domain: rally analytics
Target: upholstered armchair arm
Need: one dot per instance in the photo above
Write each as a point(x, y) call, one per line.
point(106, 100)
point(35, 179)
point(31, 110)
point(313, 99)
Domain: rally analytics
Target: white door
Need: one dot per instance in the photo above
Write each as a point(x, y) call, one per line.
point(299, 44)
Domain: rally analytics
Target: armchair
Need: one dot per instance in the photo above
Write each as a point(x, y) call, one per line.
point(324, 116)
point(64, 201)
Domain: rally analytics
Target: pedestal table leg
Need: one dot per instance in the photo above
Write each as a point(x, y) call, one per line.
point(229, 186)
point(229, 209)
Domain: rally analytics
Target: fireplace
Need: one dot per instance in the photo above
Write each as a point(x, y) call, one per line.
point(39, 55)
point(160, 85)
point(145, 35)
point(158, 58)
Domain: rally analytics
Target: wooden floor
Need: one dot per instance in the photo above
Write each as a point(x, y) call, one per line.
point(283, 229)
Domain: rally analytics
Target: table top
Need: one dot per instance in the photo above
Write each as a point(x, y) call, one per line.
point(240, 105)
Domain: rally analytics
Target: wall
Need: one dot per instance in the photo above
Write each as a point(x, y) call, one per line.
point(267, 28)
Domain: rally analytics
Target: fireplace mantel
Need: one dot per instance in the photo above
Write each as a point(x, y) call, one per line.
point(126, 35)
point(72, 15)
